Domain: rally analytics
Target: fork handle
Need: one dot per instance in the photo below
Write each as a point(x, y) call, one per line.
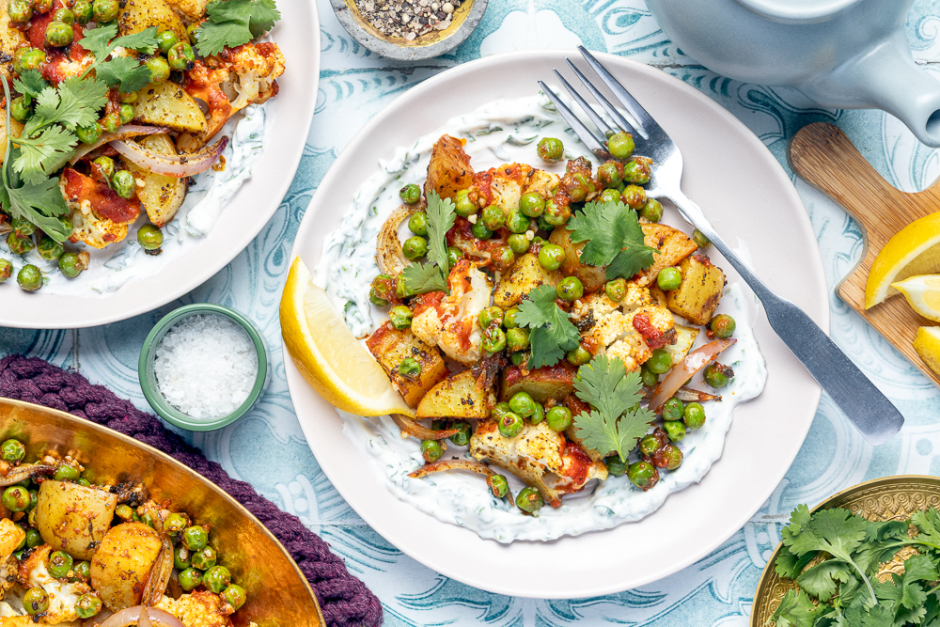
point(863, 403)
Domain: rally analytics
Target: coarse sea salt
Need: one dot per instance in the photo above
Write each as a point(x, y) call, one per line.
point(206, 366)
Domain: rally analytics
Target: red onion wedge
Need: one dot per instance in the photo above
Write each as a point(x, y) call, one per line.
point(682, 372)
point(141, 615)
point(179, 166)
point(458, 464)
point(159, 575)
point(412, 428)
point(25, 471)
point(125, 132)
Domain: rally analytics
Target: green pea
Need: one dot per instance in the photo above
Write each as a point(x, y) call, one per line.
point(49, 249)
point(418, 224)
point(83, 482)
point(16, 498)
point(235, 596)
point(634, 197)
point(462, 437)
point(401, 289)
point(480, 231)
point(190, 579)
point(104, 10)
point(522, 404)
point(621, 145)
point(410, 194)
point(204, 559)
point(147, 519)
point(124, 512)
point(538, 415)
point(22, 228)
point(652, 210)
point(181, 558)
point(12, 450)
point(20, 11)
point(33, 500)
point(431, 450)
point(191, 32)
point(694, 416)
point(82, 11)
point(649, 445)
point(532, 204)
point(59, 34)
point(556, 214)
point(551, 256)
point(463, 205)
point(578, 186)
point(669, 279)
point(670, 458)
point(551, 150)
point(128, 98)
point(519, 243)
point(400, 317)
point(517, 340)
point(520, 358)
point(181, 57)
point(610, 175)
point(675, 430)
point(610, 196)
point(64, 15)
point(42, 6)
point(6, 270)
point(718, 375)
point(87, 606)
point(615, 466)
point(175, 523)
point(494, 340)
point(409, 368)
point(673, 409)
point(33, 539)
point(516, 222)
point(529, 500)
point(82, 571)
point(490, 316)
point(500, 410)
point(453, 256)
point(570, 289)
point(35, 601)
point(650, 379)
point(558, 418)
point(498, 485)
point(20, 111)
point(166, 40)
point(89, 134)
point(660, 362)
point(157, 66)
point(722, 326)
point(126, 113)
point(105, 166)
point(543, 224)
point(578, 356)
point(700, 240)
point(637, 172)
point(29, 278)
point(64, 472)
point(59, 565)
point(616, 290)
point(380, 292)
point(31, 59)
point(643, 475)
point(493, 217)
point(510, 424)
point(123, 184)
point(71, 265)
point(195, 538)
point(502, 257)
point(509, 318)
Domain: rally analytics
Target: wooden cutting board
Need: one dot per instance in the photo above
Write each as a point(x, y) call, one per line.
point(823, 156)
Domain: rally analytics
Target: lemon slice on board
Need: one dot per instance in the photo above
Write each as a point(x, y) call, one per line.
point(913, 250)
point(923, 294)
point(927, 345)
point(328, 355)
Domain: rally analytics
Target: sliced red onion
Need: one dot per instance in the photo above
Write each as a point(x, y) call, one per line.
point(179, 166)
point(144, 618)
point(25, 471)
point(160, 573)
point(138, 614)
point(131, 130)
point(685, 370)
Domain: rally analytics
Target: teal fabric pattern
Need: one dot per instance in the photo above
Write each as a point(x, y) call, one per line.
point(354, 85)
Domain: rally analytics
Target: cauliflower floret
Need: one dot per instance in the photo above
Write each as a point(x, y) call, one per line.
point(452, 325)
point(199, 609)
point(192, 10)
point(99, 216)
point(62, 595)
point(10, 537)
point(505, 185)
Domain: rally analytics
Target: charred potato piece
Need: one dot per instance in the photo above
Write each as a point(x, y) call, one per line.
point(138, 15)
point(73, 518)
point(390, 346)
point(121, 565)
point(524, 276)
point(673, 246)
point(457, 397)
point(555, 382)
point(698, 296)
point(591, 277)
point(168, 104)
point(161, 196)
point(11, 38)
point(449, 170)
point(685, 338)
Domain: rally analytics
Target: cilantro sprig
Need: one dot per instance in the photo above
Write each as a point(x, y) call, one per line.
point(614, 239)
point(125, 73)
point(551, 332)
point(421, 278)
point(231, 23)
point(616, 421)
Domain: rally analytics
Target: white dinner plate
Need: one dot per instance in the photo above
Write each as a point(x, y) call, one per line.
point(297, 34)
point(748, 198)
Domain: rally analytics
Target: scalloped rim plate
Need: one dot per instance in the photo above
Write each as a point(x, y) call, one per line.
point(748, 197)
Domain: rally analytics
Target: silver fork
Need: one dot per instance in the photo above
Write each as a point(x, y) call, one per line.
point(864, 405)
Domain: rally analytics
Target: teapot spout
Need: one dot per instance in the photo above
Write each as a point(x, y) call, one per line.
point(887, 78)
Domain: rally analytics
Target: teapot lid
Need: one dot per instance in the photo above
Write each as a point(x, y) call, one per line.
point(797, 10)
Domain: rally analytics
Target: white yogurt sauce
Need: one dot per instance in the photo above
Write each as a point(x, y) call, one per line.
point(505, 131)
point(116, 265)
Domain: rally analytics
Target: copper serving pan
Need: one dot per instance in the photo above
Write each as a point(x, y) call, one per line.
point(278, 593)
point(889, 498)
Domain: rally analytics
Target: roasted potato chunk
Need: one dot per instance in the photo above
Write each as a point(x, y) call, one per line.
point(10, 38)
point(162, 196)
point(139, 15)
point(673, 246)
point(698, 296)
point(457, 397)
point(121, 565)
point(390, 346)
point(555, 382)
point(524, 276)
point(591, 277)
point(73, 518)
point(449, 170)
point(168, 104)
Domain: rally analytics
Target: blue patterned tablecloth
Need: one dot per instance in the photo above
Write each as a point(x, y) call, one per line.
point(354, 85)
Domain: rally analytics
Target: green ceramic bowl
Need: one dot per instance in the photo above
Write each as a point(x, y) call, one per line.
point(148, 380)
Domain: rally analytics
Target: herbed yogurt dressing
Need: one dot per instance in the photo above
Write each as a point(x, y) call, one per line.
point(505, 131)
point(116, 265)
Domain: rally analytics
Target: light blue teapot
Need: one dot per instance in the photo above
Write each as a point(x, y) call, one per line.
point(847, 54)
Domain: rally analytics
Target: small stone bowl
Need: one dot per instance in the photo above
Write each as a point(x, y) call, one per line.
point(148, 380)
point(465, 19)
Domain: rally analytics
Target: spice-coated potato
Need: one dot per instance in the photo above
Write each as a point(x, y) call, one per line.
point(591, 277)
point(139, 15)
point(456, 397)
point(449, 170)
point(121, 565)
point(555, 382)
point(73, 518)
point(161, 196)
point(673, 246)
point(168, 104)
point(698, 296)
point(524, 276)
point(390, 346)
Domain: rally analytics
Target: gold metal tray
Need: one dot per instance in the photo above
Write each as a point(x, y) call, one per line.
point(889, 498)
point(278, 593)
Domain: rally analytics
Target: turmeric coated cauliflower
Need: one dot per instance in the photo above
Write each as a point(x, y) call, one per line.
point(198, 609)
point(62, 595)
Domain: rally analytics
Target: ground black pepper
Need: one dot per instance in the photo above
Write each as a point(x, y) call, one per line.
point(408, 19)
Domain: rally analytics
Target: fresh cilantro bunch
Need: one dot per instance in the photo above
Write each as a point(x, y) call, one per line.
point(231, 23)
point(614, 239)
point(616, 421)
point(421, 278)
point(843, 589)
point(551, 332)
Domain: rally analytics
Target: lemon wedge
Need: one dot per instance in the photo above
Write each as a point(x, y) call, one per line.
point(913, 250)
point(328, 355)
point(927, 345)
point(923, 294)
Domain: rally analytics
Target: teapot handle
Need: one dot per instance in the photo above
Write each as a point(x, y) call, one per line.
point(885, 77)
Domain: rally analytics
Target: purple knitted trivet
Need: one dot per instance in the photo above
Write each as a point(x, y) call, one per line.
point(345, 601)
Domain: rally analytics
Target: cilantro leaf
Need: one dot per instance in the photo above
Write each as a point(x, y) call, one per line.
point(73, 104)
point(421, 278)
point(441, 216)
point(795, 610)
point(614, 239)
point(551, 332)
point(40, 204)
point(928, 527)
point(96, 40)
point(30, 82)
point(126, 73)
point(41, 156)
point(820, 580)
point(144, 41)
point(789, 566)
point(617, 421)
point(231, 23)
